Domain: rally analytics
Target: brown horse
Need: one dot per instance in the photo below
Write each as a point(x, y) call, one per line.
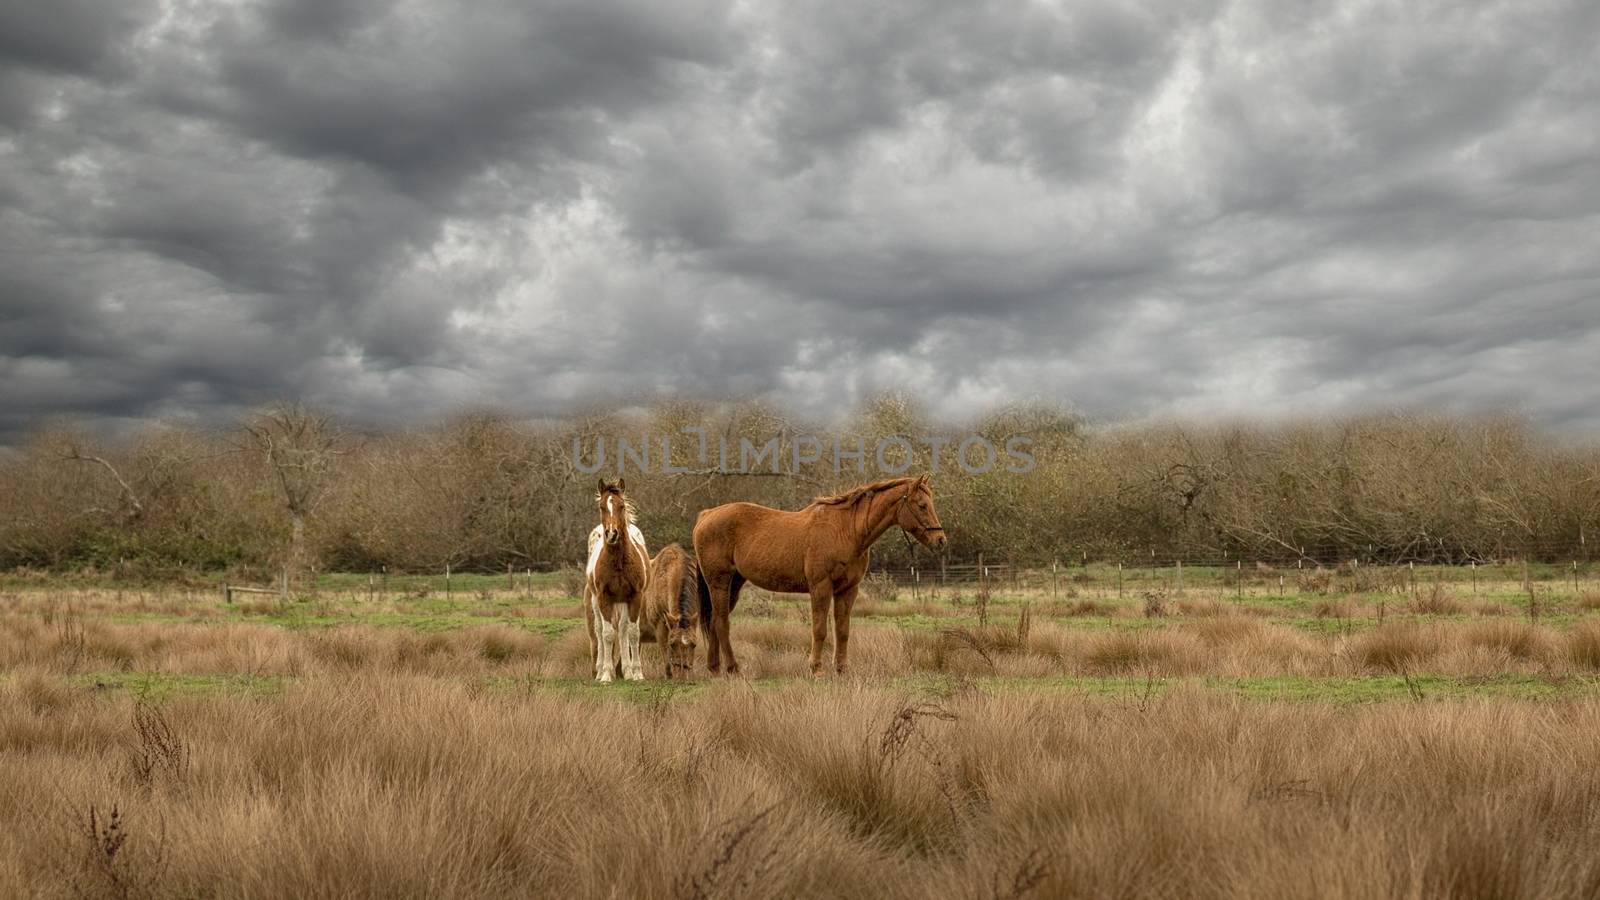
point(821, 550)
point(672, 608)
point(615, 581)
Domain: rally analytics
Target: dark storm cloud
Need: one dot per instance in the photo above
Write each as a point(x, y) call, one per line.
point(77, 36)
point(402, 208)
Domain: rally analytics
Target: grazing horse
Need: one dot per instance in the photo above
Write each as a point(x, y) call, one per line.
point(672, 608)
point(821, 550)
point(614, 586)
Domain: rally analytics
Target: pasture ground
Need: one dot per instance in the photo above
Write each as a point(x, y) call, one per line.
point(1353, 734)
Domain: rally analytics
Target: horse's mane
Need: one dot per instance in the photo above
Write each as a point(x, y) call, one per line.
point(849, 497)
point(630, 514)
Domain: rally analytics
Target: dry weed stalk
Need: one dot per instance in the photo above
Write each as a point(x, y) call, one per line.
point(160, 753)
point(107, 867)
point(719, 877)
point(966, 638)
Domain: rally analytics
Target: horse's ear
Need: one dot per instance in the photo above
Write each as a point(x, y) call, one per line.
point(620, 485)
point(602, 485)
point(923, 479)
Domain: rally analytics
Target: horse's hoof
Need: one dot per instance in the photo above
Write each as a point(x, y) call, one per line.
point(604, 679)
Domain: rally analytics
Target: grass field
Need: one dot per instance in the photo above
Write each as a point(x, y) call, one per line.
point(1423, 736)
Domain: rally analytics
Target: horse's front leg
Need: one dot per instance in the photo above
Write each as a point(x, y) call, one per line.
point(821, 599)
point(604, 664)
point(843, 602)
point(632, 664)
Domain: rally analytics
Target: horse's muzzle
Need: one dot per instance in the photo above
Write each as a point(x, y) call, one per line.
point(613, 536)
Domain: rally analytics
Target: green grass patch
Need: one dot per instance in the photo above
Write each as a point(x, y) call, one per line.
point(1297, 689)
point(1394, 687)
point(1337, 690)
point(156, 685)
point(651, 690)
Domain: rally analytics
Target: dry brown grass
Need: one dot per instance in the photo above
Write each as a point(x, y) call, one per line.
point(1225, 641)
point(1583, 645)
point(1436, 600)
point(391, 762)
point(1342, 608)
point(386, 785)
point(1080, 608)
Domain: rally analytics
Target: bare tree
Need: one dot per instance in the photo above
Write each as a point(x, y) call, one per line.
point(133, 508)
point(300, 446)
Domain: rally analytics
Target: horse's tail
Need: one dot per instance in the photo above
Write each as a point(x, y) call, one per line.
point(704, 591)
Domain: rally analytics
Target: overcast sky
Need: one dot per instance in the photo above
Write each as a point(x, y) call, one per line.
point(398, 210)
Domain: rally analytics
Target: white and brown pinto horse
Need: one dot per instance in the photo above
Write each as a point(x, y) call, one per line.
point(615, 580)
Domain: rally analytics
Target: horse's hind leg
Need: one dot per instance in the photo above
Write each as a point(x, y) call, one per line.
point(590, 626)
point(632, 665)
point(619, 633)
point(721, 644)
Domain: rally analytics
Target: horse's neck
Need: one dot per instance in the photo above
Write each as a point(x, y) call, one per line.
point(880, 512)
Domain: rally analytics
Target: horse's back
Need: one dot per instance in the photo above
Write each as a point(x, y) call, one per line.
point(595, 538)
point(729, 519)
point(671, 565)
point(764, 545)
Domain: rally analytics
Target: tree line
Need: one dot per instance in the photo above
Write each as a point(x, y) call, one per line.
point(289, 486)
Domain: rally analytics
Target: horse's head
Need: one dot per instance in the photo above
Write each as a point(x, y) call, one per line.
point(613, 511)
point(679, 643)
point(917, 517)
